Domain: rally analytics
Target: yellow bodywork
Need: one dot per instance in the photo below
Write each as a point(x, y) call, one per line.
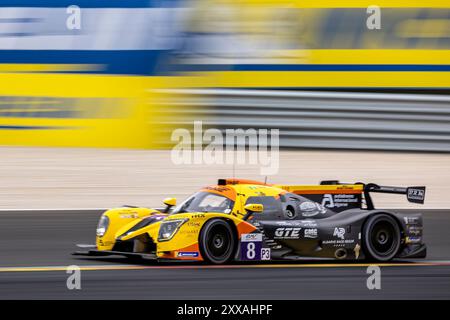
point(186, 238)
point(121, 219)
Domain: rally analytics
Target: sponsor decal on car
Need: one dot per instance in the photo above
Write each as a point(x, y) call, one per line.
point(189, 231)
point(195, 224)
point(413, 239)
point(187, 254)
point(411, 220)
point(128, 216)
point(289, 223)
point(287, 233)
point(246, 237)
point(339, 232)
point(309, 223)
point(311, 209)
point(221, 189)
point(199, 215)
point(416, 194)
point(311, 233)
point(101, 242)
point(340, 200)
point(337, 243)
point(414, 230)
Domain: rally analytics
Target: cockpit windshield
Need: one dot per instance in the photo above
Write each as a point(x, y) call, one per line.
point(205, 202)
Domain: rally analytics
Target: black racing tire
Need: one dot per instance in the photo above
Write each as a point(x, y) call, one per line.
point(381, 237)
point(217, 242)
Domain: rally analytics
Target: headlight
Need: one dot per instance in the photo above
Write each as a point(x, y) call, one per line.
point(168, 229)
point(102, 226)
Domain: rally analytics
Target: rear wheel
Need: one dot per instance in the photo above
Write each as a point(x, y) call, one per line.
point(381, 237)
point(217, 242)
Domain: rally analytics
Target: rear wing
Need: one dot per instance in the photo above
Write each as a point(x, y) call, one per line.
point(413, 194)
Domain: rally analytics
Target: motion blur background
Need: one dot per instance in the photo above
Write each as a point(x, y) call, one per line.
point(86, 113)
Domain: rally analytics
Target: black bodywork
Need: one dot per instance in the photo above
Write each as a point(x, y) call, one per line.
point(331, 225)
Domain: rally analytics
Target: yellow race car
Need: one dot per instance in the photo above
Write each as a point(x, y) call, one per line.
point(244, 220)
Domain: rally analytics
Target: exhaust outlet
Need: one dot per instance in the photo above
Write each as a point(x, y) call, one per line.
point(340, 253)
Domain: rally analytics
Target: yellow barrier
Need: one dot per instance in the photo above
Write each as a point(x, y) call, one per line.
point(304, 44)
point(78, 110)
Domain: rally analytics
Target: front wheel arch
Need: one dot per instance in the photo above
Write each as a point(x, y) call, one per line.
point(202, 238)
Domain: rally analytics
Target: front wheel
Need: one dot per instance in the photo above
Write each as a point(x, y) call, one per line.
point(381, 237)
point(217, 242)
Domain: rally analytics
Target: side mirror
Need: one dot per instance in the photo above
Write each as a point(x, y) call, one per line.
point(169, 202)
point(252, 208)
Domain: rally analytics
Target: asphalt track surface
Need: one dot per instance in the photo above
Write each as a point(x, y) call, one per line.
point(36, 246)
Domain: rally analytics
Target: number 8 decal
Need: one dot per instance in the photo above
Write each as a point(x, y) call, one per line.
point(251, 245)
point(251, 250)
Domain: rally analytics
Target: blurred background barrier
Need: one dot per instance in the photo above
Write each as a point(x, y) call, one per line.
point(71, 72)
point(331, 120)
point(77, 110)
point(90, 75)
point(397, 45)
